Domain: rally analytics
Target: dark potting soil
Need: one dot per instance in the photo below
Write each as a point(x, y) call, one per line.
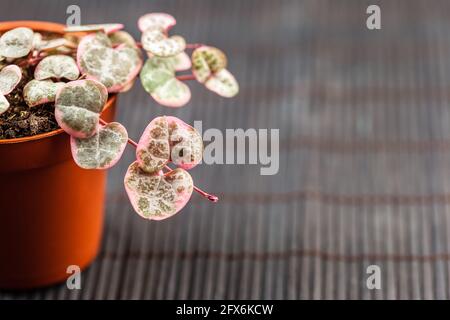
point(22, 121)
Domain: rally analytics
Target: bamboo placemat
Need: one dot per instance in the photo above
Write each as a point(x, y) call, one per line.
point(364, 173)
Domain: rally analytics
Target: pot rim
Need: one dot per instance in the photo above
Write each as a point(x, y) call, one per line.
point(48, 27)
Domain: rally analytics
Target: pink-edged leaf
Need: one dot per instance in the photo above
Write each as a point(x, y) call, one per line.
point(169, 139)
point(156, 19)
point(16, 43)
point(122, 37)
point(206, 61)
point(114, 67)
point(158, 79)
point(57, 66)
point(106, 27)
point(156, 42)
point(182, 62)
point(10, 77)
point(172, 93)
point(103, 149)
point(186, 144)
point(208, 67)
point(38, 92)
point(78, 105)
point(223, 83)
point(157, 196)
point(4, 104)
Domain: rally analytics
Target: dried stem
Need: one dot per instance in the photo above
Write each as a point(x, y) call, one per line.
point(210, 197)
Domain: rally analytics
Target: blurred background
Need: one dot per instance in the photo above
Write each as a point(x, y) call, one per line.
point(364, 173)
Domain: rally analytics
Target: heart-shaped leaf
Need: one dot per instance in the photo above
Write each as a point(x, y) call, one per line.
point(78, 105)
point(38, 92)
point(122, 37)
point(208, 66)
point(158, 79)
point(57, 66)
point(156, 19)
point(157, 196)
point(9, 78)
point(113, 67)
point(106, 27)
point(223, 83)
point(16, 43)
point(103, 149)
point(155, 41)
point(4, 104)
point(169, 139)
point(206, 61)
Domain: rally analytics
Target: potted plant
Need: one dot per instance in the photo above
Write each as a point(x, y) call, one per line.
point(58, 89)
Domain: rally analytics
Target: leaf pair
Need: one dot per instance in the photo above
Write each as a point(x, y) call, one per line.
point(78, 105)
point(10, 77)
point(42, 89)
point(155, 39)
point(155, 195)
point(209, 67)
point(114, 67)
point(169, 139)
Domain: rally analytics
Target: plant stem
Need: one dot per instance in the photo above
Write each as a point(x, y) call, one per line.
point(194, 45)
point(186, 77)
point(31, 61)
point(210, 197)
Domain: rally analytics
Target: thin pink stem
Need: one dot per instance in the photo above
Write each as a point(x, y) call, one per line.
point(194, 45)
point(186, 77)
point(210, 197)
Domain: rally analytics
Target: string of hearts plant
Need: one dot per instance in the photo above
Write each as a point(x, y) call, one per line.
point(77, 72)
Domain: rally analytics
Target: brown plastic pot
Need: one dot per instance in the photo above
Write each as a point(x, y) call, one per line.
point(51, 211)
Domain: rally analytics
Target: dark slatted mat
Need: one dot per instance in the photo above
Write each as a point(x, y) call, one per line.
point(364, 157)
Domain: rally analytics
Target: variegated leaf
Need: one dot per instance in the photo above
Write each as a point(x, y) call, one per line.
point(158, 196)
point(57, 66)
point(158, 79)
point(78, 105)
point(223, 83)
point(10, 77)
point(208, 66)
point(16, 43)
point(169, 139)
point(115, 68)
point(156, 19)
point(38, 92)
point(103, 149)
point(206, 61)
point(4, 104)
point(155, 41)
